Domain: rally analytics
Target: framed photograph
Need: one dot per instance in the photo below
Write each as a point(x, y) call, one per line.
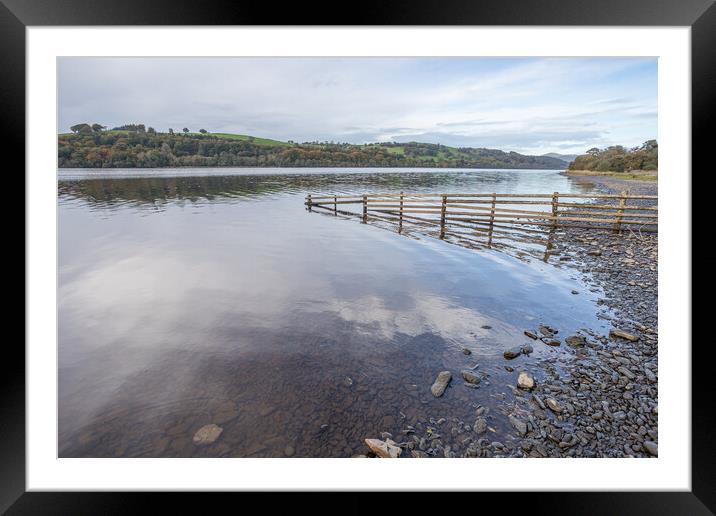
point(272, 252)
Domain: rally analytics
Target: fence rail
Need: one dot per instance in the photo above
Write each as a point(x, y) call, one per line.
point(490, 209)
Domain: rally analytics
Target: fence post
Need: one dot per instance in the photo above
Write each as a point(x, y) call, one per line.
point(335, 205)
point(442, 217)
point(555, 200)
point(309, 203)
point(620, 211)
point(365, 209)
point(400, 223)
point(492, 220)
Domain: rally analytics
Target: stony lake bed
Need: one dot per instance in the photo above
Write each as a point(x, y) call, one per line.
point(232, 323)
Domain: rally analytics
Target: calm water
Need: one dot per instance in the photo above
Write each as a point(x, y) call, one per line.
point(213, 298)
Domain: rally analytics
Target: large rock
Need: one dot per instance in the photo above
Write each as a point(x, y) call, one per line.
point(651, 447)
point(207, 434)
point(554, 405)
point(575, 341)
point(470, 376)
point(525, 381)
point(615, 332)
point(480, 425)
point(441, 383)
point(512, 353)
point(518, 424)
point(385, 449)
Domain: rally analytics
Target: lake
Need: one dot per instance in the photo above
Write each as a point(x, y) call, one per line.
point(197, 296)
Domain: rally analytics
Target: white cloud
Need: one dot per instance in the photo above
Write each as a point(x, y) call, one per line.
point(527, 105)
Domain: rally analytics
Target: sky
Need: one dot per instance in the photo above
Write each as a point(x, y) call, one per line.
point(526, 105)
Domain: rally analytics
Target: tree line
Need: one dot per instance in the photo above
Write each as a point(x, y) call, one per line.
point(138, 146)
point(619, 159)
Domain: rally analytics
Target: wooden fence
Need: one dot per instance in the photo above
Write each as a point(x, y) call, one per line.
point(494, 210)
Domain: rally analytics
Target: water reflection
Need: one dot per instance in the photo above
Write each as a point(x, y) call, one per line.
point(189, 301)
point(522, 241)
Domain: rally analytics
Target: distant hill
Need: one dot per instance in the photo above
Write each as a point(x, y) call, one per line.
point(136, 146)
point(564, 157)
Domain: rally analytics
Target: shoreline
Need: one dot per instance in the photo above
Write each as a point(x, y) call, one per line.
point(639, 176)
point(599, 397)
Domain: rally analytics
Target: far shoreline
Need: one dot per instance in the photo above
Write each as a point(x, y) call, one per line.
point(633, 175)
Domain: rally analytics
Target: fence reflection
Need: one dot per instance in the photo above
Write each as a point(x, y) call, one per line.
point(495, 221)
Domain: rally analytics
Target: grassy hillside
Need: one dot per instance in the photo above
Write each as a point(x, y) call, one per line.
point(136, 147)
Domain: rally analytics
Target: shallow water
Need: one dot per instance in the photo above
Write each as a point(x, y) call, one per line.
point(191, 300)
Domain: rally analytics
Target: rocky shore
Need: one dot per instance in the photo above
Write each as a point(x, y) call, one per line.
point(598, 398)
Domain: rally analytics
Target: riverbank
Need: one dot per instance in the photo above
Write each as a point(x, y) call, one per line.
point(627, 177)
point(597, 394)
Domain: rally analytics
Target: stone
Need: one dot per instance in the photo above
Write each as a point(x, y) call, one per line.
point(527, 349)
point(207, 434)
point(385, 449)
point(615, 332)
point(512, 353)
point(470, 376)
point(518, 425)
point(486, 327)
point(525, 381)
point(595, 252)
point(531, 335)
point(575, 341)
point(289, 451)
point(441, 383)
point(651, 447)
point(552, 342)
point(225, 412)
point(480, 425)
point(553, 405)
point(623, 370)
point(546, 331)
point(466, 351)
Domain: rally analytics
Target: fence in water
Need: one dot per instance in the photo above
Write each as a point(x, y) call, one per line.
point(496, 220)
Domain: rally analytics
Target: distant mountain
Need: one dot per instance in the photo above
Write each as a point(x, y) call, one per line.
point(135, 146)
point(564, 157)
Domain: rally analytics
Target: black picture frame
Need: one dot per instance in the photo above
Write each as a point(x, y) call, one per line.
point(700, 15)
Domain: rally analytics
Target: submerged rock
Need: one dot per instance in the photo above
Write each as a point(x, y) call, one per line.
point(441, 383)
point(547, 331)
point(480, 425)
point(470, 376)
point(512, 353)
point(385, 449)
point(207, 434)
point(518, 425)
